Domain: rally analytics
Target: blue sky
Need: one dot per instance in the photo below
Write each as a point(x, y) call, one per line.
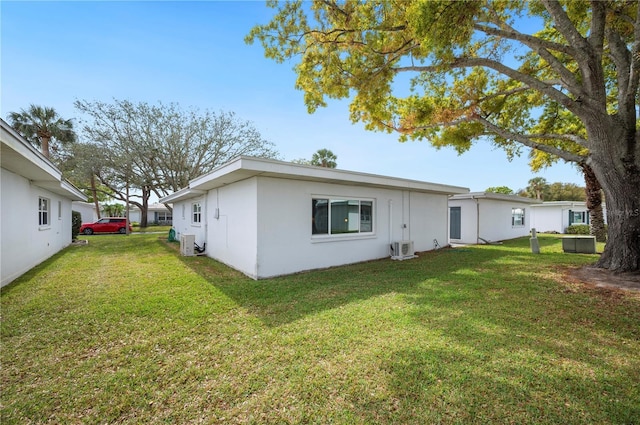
point(193, 53)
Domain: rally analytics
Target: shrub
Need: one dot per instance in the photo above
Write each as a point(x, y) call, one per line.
point(76, 222)
point(578, 229)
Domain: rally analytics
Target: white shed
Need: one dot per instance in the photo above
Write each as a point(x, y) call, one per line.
point(556, 216)
point(481, 217)
point(268, 218)
point(35, 206)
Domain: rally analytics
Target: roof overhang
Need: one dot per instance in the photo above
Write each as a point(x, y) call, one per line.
point(18, 156)
point(243, 167)
point(496, 197)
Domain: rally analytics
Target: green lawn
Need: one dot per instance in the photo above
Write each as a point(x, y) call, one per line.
point(124, 330)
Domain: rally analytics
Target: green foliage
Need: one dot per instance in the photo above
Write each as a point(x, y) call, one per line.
point(578, 229)
point(45, 129)
point(324, 158)
point(500, 189)
point(113, 210)
point(76, 223)
point(538, 188)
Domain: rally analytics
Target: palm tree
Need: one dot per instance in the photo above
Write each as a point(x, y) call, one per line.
point(324, 158)
point(537, 187)
point(39, 125)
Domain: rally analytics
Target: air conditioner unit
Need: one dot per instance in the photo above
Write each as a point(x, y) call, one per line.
point(187, 243)
point(402, 250)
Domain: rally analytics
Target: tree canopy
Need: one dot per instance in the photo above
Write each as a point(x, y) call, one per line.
point(324, 158)
point(560, 77)
point(160, 148)
point(43, 128)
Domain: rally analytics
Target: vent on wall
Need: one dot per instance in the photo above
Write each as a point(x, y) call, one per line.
point(402, 250)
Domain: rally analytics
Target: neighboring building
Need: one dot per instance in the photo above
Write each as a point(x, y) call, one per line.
point(268, 218)
point(35, 206)
point(156, 214)
point(556, 216)
point(481, 217)
point(87, 211)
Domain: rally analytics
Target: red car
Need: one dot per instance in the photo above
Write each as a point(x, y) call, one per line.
point(106, 225)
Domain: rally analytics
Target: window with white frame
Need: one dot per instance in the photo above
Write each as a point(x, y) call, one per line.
point(517, 217)
point(196, 212)
point(43, 211)
point(59, 210)
point(341, 216)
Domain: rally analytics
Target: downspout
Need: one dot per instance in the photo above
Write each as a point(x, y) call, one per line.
point(390, 222)
point(477, 219)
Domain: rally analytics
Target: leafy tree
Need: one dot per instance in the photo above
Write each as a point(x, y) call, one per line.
point(500, 189)
point(160, 148)
point(479, 75)
point(324, 158)
point(113, 210)
point(565, 192)
point(43, 127)
point(301, 161)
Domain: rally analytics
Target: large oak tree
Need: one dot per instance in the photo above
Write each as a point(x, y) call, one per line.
point(484, 70)
point(158, 149)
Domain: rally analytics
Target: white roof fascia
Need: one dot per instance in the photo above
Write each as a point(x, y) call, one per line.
point(496, 197)
point(244, 167)
point(181, 195)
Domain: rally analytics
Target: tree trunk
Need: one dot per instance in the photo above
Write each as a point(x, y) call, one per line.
point(44, 145)
point(146, 194)
point(615, 160)
point(94, 193)
point(593, 192)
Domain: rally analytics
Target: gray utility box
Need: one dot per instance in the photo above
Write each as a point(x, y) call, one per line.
point(579, 244)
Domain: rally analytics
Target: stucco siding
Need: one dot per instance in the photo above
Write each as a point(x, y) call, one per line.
point(232, 236)
point(469, 220)
point(286, 243)
point(489, 219)
point(24, 243)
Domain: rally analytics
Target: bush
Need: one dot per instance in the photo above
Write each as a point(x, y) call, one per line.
point(578, 229)
point(76, 222)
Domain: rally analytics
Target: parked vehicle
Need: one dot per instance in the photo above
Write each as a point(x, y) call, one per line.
point(106, 225)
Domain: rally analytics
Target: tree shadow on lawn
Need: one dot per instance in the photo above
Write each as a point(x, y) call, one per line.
point(281, 300)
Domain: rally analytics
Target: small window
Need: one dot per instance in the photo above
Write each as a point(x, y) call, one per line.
point(196, 216)
point(341, 216)
point(59, 210)
point(43, 211)
point(184, 209)
point(578, 217)
point(517, 217)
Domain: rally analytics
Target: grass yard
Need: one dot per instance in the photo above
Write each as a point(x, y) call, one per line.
point(124, 330)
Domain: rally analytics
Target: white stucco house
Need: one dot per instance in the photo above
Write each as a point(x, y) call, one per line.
point(35, 206)
point(268, 218)
point(556, 216)
point(481, 217)
point(156, 214)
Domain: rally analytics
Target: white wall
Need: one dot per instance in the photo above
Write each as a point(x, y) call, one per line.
point(87, 211)
point(182, 219)
point(25, 244)
point(492, 217)
point(232, 237)
point(555, 218)
point(549, 219)
point(286, 244)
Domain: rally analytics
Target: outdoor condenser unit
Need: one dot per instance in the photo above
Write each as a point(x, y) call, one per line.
point(187, 243)
point(402, 250)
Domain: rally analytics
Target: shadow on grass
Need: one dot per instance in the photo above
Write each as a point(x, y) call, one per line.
point(281, 300)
